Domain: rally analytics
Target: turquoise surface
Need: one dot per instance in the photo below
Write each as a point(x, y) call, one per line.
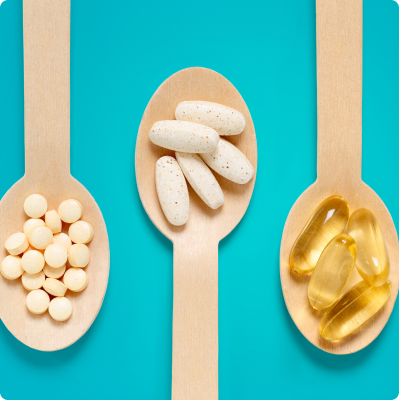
point(121, 51)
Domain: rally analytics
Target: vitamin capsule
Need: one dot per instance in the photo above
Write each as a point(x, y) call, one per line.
point(332, 271)
point(63, 239)
point(41, 237)
point(225, 120)
point(328, 220)
point(31, 224)
point(33, 281)
point(353, 309)
point(37, 301)
point(32, 261)
point(372, 257)
point(54, 273)
point(172, 190)
point(229, 162)
point(35, 206)
point(70, 211)
point(16, 243)
point(75, 279)
point(53, 221)
point(184, 136)
point(55, 255)
point(201, 179)
point(79, 255)
point(81, 232)
point(60, 309)
point(11, 267)
point(54, 287)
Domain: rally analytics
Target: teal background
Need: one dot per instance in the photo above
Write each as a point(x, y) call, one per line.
point(121, 51)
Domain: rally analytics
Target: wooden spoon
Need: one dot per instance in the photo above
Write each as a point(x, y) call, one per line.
point(195, 317)
point(339, 81)
point(47, 171)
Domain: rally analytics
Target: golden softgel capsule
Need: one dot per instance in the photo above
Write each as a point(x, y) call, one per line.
point(353, 309)
point(332, 271)
point(328, 220)
point(372, 257)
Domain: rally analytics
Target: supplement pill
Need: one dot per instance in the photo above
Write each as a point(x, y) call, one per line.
point(79, 255)
point(37, 301)
point(372, 257)
point(31, 224)
point(70, 211)
point(11, 267)
point(16, 243)
point(327, 221)
point(60, 309)
point(55, 255)
point(332, 271)
point(41, 237)
point(33, 281)
point(53, 221)
point(81, 232)
point(54, 287)
point(35, 206)
point(62, 239)
point(54, 273)
point(32, 261)
point(75, 279)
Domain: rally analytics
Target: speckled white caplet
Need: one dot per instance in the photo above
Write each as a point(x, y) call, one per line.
point(229, 162)
point(201, 179)
point(172, 190)
point(225, 120)
point(184, 136)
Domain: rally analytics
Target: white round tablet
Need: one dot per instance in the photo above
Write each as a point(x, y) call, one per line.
point(55, 255)
point(54, 287)
point(81, 232)
point(31, 224)
point(60, 308)
point(35, 206)
point(41, 237)
point(63, 239)
point(79, 255)
point(11, 267)
point(32, 261)
point(16, 243)
point(75, 279)
point(37, 301)
point(55, 273)
point(53, 221)
point(70, 211)
point(33, 281)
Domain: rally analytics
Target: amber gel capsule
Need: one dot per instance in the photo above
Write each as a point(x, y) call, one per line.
point(372, 258)
point(332, 271)
point(328, 220)
point(353, 309)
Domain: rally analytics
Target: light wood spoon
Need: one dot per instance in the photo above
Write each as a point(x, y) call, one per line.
point(47, 171)
point(195, 314)
point(339, 82)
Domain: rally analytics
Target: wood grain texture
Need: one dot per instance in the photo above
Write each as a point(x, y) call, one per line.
point(339, 83)
point(47, 171)
point(195, 315)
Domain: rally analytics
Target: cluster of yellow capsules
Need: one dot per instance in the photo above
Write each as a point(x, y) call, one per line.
point(39, 255)
point(330, 254)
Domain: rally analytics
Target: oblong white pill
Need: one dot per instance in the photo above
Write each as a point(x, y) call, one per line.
point(225, 120)
point(55, 255)
point(229, 162)
point(79, 255)
point(172, 190)
point(53, 221)
point(11, 267)
point(54, 273)
point(70, 211)
point(37, 301)
point(60, 309)
point(16, 243)
point(54, 287)
point(75, 279)
point(32, 261)
point(41, 237)
point(31, 224)
point(201, 179)
point(81, 232)
point(184, 136)
point(63, 239)
point(33, 281)
point(35, 206)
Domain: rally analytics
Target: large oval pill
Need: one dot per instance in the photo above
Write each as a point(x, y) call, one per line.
point(332, 271)
point(184, 136)
point(353, 309)
point(328, 220)
point(172, 190)
point(225, 120)
point(229, 162)
point(372, 257)
point(201, 179)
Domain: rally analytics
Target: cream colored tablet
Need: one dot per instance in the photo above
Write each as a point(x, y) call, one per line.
point(70, 211)
point(11, 267)
point(172, 190)
point(54, 273)
point(37, 301)
point(31, 224)
point(41, 237)
point(60, 309)
point(75, 279)
point(16, 243)
point(35, 206)
point(32, 261)
point(79, 255)
point(201, 179)
point(33, 281)
point(63, 239)
point(55, 255)
point(184, 136)
point(54, 287)
point(53, 221)
point(225, 120)
point(229, 162)
point(81, 232)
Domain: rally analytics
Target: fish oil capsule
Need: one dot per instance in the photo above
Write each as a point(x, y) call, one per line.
point(353, 309)
point(327, 221)
point(372, 257)
point(332, 271)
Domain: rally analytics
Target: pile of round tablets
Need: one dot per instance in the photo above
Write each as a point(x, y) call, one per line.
point(42, 254)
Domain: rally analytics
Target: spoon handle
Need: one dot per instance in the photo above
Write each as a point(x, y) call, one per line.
point(339, 88)
point(195, 320)
point(46, 25)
